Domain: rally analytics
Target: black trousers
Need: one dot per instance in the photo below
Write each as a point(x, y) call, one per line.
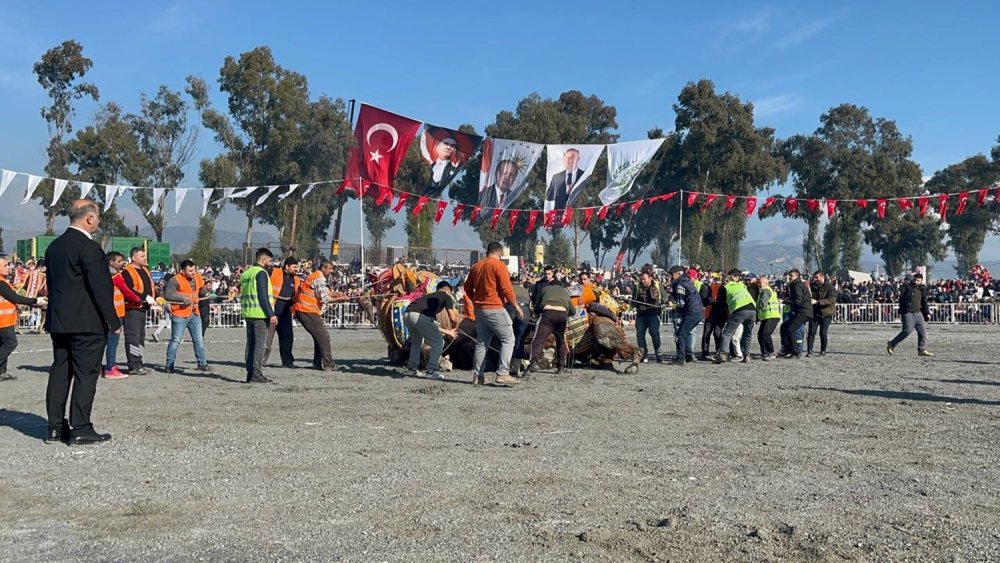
point(764, 336)
point(823, 324)
point(711, 330)
point(550, 322)
point(788, 330)
point(286, 336)
point(8, 342)
point(205, 311)
point(313, 323)
point(135, 337)
point(520, 331)
point(77, 362)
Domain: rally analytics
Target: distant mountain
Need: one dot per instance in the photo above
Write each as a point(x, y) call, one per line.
point(763, 258)
point(182, 238)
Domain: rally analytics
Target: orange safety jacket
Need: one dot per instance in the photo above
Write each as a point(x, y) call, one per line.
point(8, 310)
point(139, 284)
point(306, 300)
point(184, 288)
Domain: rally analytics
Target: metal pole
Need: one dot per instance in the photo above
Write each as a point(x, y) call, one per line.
point(680, 224)
point(340, 208)
point(361, 213)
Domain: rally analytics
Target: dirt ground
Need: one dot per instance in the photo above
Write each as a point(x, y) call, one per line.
point(854, 456)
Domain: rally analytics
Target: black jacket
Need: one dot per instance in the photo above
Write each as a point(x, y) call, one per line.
point(826, 300)
point(81, 295)
point(647, 299)
point(798, 298)
point(913, 299)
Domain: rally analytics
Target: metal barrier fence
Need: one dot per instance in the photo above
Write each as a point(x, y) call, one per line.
point(350, 315)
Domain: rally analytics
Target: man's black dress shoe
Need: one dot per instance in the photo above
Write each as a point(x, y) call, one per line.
point(258, 379)
point(59, 434)
point(89, 438)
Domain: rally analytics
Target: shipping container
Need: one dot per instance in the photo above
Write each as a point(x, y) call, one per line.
point(126, 244)
point(157, 252)
point(34, 248)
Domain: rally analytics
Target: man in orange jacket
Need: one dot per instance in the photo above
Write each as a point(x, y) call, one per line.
point(312, 295)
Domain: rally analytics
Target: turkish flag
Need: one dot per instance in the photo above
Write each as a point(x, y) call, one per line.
point(603, 212)
point(982, 195)
point(619, 209)
point(692, 197)
point(512, 221)
point(567, 217)
point(791, 205)
point(532, 220)
point(550, 217)
point(709, 199)
point(905, 204)
point(420, 204)
point(768, 202)
point(619, 259)
point(495, 218)
point(813, 205)
point(943, 206)
point(439, 212)
point(459, 208)
point(923, 202)
point(476, 210)
point(831, 207)
point(751, 205)
point(403, 196)
point(588, 214)
point(880, 205)
point(862, 204)
point(963, 198)
point(730, 201)
point(636, 206)
point(383, 138)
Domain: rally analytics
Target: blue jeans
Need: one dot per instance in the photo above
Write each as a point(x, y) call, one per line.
point(647, 322)
point(112, 348)
point(684, 334)
point(177, 326)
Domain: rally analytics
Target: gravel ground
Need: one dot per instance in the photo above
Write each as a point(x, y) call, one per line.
point(855, 456)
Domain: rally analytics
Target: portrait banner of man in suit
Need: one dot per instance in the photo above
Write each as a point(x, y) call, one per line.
point(504, 171)
point(567, 174)
point(446, 151)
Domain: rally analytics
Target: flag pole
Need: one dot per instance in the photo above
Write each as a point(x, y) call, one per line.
point(680, 224)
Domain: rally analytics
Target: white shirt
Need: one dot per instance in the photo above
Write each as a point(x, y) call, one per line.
point(82, 231)
point(437, 171)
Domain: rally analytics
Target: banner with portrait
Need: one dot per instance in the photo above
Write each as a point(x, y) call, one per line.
point(504, 171)
point(567, 173)
point(625, 162)
point(446, 151)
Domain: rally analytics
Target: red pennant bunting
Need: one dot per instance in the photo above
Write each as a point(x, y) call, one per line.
point(831, 207)
point(532, 219)
point(923, 202)
point(730, 201)
point(459, 208)
point(550, 216)
point(588, 214)
point(637, 205)
point(813, 205)
point(905, 204)
point(692, 197)
point(439, 212)
point(791, 205)
point(769, 202)
point(512, 222)
point(663, 197)
point(880, 206)
point(400, 202)
point(475, 213)
point(567, 217)
point(943, 206)
point(603, 213)
point(619, 259)
point(862, 204)
point(420, 204)
point(751, 205)
point(383, 193)
point(619, 209)
point(963, 198)
point(982, 195)
point(496, 217)
point(709, 199)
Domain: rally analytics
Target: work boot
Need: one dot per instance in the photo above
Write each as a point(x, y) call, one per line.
point(719, 360)
point(924, 354)
point(506, 380)
point(888, 347)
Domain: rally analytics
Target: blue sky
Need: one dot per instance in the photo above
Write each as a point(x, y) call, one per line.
point(930, 66)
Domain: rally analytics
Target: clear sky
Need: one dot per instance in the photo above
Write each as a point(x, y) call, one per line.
point(930, 66)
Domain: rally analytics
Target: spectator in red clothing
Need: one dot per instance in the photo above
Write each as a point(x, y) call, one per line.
point(116, 263)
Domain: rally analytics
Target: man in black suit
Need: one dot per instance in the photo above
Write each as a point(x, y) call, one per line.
point(495, 196)
point(565, 183)
point(443, 169)
point(81, 312)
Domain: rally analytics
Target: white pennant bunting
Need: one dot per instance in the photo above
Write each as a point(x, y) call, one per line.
point(270, 190)
point(57, 190)
point(110, 193)
point(6, 179)
point(85, 188)
point(179, 194)
point(226, 194)
point(309, 188)
point(33, 182)
point(157, 196)
point(243, 193)
point(206, 194)
point(291, 188)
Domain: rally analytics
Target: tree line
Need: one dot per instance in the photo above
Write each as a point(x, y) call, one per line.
point(272, 131)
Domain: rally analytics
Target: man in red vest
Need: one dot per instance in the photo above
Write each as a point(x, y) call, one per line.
point(182, 292)
point(116, 262)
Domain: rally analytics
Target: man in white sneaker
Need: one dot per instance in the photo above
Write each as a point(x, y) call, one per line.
point(420, 319)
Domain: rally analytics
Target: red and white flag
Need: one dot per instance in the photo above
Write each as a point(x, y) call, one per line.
point(383, 138)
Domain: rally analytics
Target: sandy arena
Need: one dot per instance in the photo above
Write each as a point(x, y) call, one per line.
point(855, 456)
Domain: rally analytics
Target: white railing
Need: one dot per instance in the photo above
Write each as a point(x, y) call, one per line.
point(223, 315)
